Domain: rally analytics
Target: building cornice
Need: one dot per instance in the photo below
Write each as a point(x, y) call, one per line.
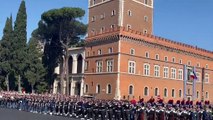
point(121, 33)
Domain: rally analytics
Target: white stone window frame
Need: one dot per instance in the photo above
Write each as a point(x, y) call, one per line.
point(146, 70)
point(157, 91)
point(172, 93)
point(180, 74)
point(165, 73)
point(132, 89)
point(102, 29)
point(207, 95)
point(107, 88)
point(93, 18)
point(132, 51)
point(198, 76)
point(180, 61)
point(173, 59)
point(146, 18)
point(173, 73)
point(131, 67)
point(129, 27)
point(110, 65)
point(129, 13)
point(113, 13)
point(99, 66)
point(102, 16)
point(180, 93)
point(206, 78)
point(147, 54)
point(157, 70)
point(164, 92)
point(110, 50)
point(166, 58)
point(197, 94)
point(157, 56)
point(207, 66)
point(98, 91)
point(99, 52)
point(147, 91)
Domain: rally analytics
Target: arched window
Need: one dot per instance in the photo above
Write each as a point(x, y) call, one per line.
point(147, 54)
point(109, 89)
point(79, 64)
point(157, 57)
point(173, 92)
point(207, 95)
point(180, 93)
point(129, 12)
point(131, 90)
point(98, 88)
point(197, 94)
point(70, 61)
point(156, 91)
point(146, 90)
point(165, 92)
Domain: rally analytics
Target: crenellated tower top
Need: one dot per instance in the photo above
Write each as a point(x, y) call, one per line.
point(132, 14)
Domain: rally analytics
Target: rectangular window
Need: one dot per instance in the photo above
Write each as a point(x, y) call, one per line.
point(180, 74)
point(132, 67)
point(146, 69)
point(166, 58)
point(166, 72)
point(180, 93)
point(86, 65)
point(99, 52)
point(109, 65)
point(157, 71)
point(173, 73)
point(99, 66)
point(197, 95)
point(198, 76)
point(206, 78)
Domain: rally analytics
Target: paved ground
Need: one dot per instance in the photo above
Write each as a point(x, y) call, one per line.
point(8, 114)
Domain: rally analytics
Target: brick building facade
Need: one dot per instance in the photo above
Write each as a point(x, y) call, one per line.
point(123, 60)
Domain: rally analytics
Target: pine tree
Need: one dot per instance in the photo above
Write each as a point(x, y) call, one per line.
point(19, 43)
point(5, 52)
point(35, 70)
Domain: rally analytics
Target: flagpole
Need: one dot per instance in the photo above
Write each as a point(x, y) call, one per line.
point(184, 81)
point(194, 87)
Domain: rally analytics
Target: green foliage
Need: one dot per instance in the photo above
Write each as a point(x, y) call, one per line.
point(35, 70)
point(59, 29)
point(20, 39)
point(5, 52)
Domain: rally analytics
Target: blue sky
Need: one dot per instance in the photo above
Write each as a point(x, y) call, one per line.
point(186, 21)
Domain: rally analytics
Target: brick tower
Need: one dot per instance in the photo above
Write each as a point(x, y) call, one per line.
point(124, 60)
point(131, 14)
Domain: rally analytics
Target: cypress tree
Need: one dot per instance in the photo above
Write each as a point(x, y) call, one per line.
point(19, 43)
point(5, 52)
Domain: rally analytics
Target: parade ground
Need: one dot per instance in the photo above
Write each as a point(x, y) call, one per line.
point(10, 114)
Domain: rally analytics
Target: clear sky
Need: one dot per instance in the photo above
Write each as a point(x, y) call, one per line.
point(186, 21)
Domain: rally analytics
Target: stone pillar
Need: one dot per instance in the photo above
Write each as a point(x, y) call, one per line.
point(72, 87)
point(83, 63)
point(55, 86)
point(82, 87)
point(74, 64)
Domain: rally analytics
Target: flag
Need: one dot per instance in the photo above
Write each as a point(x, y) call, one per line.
point(192, 74)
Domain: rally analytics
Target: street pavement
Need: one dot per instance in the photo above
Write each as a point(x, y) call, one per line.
point(10, 114)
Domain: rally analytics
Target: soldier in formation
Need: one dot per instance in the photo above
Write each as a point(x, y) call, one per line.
point(93, 109)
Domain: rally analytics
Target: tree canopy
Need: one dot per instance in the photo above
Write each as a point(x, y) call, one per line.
point(59, 29)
